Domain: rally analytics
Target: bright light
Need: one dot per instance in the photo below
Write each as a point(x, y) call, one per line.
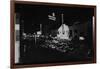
point(81, 38)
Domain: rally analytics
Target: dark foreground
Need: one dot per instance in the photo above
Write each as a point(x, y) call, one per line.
point(32, 53)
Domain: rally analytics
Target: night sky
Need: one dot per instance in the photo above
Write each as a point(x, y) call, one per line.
point(34, 15)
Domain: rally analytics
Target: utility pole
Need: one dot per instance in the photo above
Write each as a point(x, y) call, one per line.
point(62, 23)
point(41, 28)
